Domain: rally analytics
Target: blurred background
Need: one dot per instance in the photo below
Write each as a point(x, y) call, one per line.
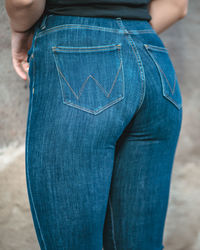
point(182, 229)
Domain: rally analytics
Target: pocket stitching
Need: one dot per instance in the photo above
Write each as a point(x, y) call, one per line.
point(174, 85)
point(158, 48)
point(92, 111)
point(109, 47)
point(107, 94)
point(76, 26)
point(161, 73)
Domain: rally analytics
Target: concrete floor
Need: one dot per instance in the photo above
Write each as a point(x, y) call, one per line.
point(182, 231)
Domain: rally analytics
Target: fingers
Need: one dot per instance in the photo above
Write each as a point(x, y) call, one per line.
point(21, 68)
point(25, 66)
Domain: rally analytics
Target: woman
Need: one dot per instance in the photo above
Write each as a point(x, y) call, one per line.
point(104, 119)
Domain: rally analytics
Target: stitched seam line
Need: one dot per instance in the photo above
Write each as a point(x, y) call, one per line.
point(29, 122)
point(75, 26)
point(172, 90)
point(122, 71)
point(77, 97)
point(142, 77)
point(97, 82)
point(140, 65)
point(91, 111)
point(143, 85)
point(85, 109)
point(176, 104)
point(161, 72)
point(162, 81)
point(158, 48)
point(110, 47)
point(112, 222)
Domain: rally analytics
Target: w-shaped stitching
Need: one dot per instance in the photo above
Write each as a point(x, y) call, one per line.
point(107, 94)
point(174, 84)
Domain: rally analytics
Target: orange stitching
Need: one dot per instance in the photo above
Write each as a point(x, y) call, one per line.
point(172, 90)
point(107, 94)
point(97, 82)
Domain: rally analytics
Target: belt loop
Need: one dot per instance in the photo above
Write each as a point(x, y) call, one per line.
point(43, 23)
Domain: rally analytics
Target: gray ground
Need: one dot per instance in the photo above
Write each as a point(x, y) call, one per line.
point(182, 230)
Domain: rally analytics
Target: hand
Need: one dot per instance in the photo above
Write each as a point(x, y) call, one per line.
point(20, 44)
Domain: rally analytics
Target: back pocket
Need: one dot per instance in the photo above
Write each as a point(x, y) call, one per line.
point(170, 86)
point(91, 78)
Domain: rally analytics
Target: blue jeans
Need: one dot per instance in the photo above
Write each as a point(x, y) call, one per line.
point(104, 118)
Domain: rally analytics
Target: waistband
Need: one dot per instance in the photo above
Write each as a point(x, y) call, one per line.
point(116, 24)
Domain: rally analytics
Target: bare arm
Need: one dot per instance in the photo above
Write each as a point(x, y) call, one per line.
point(164, 13)
point(23, 14)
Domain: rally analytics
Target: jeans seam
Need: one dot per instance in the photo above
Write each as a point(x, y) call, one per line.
point(27, 143)
point(121, 97)
point(141, 69)
point(139, 63)
point(112, 222)
point(156, 48)
point(109, 47)
point(107, 94)
point(90, 27)
point(161, 74)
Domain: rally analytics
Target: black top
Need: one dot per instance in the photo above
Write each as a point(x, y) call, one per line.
point(129, 9)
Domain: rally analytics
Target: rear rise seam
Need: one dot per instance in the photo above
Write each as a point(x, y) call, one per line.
point(139, 62)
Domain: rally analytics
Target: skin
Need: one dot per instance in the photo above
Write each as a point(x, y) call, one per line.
point(23, 14)
point(164, 13)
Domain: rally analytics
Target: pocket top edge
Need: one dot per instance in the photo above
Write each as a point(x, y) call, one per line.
point(155, 47)
point(108, 47)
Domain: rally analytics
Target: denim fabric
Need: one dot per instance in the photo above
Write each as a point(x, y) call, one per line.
point(104, 118)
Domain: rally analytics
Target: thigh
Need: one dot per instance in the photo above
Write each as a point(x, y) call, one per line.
point(144, 158)
point(77, 111)
point(69, 162)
